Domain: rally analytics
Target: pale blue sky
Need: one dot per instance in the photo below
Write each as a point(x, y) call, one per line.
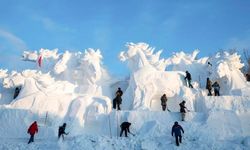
point(108, 24)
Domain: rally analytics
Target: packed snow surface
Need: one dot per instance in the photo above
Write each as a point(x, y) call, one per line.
point(77, 89)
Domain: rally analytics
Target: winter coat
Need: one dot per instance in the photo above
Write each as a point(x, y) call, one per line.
point(125, 125)
point(209, 85)
point(176, 129)
point(61, 130)
point(118, 99)
point(119, 92)
point(164, 100)
point(188, 76)
point(182, 108)
point(216, 86)
point(33, 129)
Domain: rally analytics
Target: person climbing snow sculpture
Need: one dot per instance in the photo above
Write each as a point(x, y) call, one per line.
point(183, 110)
point(216, 87)
point(164, 102)
point(33, 129)
point(209, 87)
point(176, 130)
point(61, 131)
point(117, 101)
point(188, 78)
point(125, 127)
point(17, 91)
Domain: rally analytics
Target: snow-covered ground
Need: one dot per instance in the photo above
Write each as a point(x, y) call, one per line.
point(76, 89)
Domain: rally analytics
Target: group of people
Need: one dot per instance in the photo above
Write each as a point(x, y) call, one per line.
point(209, 85)
point(33, 129)
point(183, 108)
point(117, 101)
point(216, 87)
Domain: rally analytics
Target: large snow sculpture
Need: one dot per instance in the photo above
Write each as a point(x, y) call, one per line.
point(223, 68)
point(148, 79)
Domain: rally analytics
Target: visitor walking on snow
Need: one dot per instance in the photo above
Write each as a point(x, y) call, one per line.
point(33, 129)
point(125, 127)
point(188, 78)
point(216, 87)
point(183, 110)
point(117, 101)
point(61, 131)
point(209, 87)
point(164, 100)
point(176, 130)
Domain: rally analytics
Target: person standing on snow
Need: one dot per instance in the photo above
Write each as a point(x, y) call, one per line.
point(216, 87)
point(61, 131)
point(164, 102)
point(189, 79)
point(183, 110)
point(118, 99)
point(33, 129)
point(119, 92)
point(176, 130)
point(209, 87)
point(125, 127)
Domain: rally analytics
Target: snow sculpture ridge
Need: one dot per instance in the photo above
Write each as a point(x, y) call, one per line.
point(141, 55)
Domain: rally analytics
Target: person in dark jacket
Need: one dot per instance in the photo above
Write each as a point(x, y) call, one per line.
point(176, 130)
point(61, 131)
point(33, 129)
point(183, 110)
point(164, 102)
point(117, 102)
point(119, 92)
point(17, 91)
point(125, 127)
point(189, 79)
point(216, 87)
point(209, 87)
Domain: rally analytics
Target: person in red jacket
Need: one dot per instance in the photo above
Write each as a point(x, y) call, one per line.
point(33, 129)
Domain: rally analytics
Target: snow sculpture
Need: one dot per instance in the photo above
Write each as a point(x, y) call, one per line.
point(223, 67)
point(226, 69)
point(141, 55)
point(148, 80)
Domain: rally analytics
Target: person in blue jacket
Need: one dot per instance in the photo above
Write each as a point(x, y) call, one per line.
point(176, 130)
